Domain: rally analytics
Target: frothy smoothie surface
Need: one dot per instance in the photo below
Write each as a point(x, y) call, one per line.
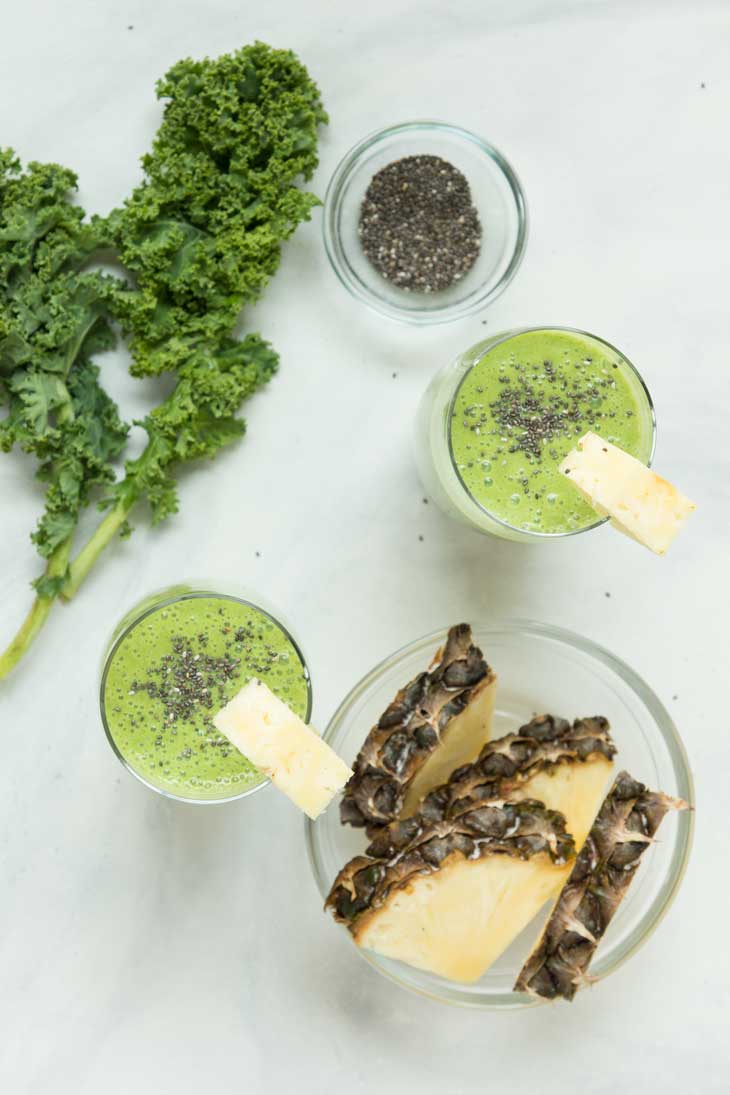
point(520, 410)
point(174, 669)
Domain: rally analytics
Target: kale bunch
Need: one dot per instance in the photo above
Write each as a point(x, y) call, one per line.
point(199, 238)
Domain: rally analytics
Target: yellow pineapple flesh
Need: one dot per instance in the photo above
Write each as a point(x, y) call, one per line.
point(456, 923)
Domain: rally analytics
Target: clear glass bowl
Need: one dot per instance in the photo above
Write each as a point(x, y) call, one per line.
point(540, 669)
point(496, 193)
point(432, 436)
point(146, 607)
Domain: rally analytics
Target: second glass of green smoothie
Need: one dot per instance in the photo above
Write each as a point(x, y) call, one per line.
point(172, 663)
point(494, 425)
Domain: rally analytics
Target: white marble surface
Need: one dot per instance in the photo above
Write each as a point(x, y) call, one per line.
point(152, 947)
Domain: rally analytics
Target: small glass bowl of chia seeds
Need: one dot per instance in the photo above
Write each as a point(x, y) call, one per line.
point(425, 222)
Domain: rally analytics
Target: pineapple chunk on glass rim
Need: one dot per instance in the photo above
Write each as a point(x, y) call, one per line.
point(637, 501)
point(293, 755)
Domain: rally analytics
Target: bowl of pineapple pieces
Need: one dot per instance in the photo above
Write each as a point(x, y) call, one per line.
point(496, 846)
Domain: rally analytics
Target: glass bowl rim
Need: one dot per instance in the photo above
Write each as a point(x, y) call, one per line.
point(505, 337)
point(333, 244)
point(194, 591)
point(664, 723)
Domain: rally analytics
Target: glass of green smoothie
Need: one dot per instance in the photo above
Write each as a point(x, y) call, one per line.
point(173, 661)
point(494, 425)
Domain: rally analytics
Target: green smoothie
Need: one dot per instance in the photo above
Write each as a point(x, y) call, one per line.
point(168, 673)
point(522, 407)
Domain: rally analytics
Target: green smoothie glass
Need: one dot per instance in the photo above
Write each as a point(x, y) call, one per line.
point(172, 662)
point(494, 425)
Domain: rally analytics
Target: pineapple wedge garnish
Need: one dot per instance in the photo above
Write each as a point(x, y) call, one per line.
point(457, 895)
point(283, 747)
point(623, 830)
point(440, 720)
point(637, 501)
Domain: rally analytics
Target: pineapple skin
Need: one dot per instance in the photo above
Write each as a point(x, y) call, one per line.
point(438, 721)
point(605, 868)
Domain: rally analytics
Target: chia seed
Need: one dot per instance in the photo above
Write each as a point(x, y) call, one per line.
point(536, 418)
point(185, 681)
point(418, 226)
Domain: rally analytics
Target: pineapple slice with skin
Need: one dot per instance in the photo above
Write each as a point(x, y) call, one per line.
point(283, 747)
point(438, 721)
point(637, 501)
point(458, 894)
point(565, 766)
point(623, 830)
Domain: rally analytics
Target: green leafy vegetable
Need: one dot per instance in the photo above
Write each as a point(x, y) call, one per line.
point(202, 233)
point(53, 317)
point(200, 238)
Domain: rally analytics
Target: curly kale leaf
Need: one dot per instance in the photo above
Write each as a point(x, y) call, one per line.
point(201, 236)
point(196, 420)
point(53, 317)
point(202, 233)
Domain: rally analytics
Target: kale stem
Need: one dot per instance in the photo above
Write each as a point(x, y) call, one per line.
point(56, 566)
point(93, 548)
point(31, 626)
